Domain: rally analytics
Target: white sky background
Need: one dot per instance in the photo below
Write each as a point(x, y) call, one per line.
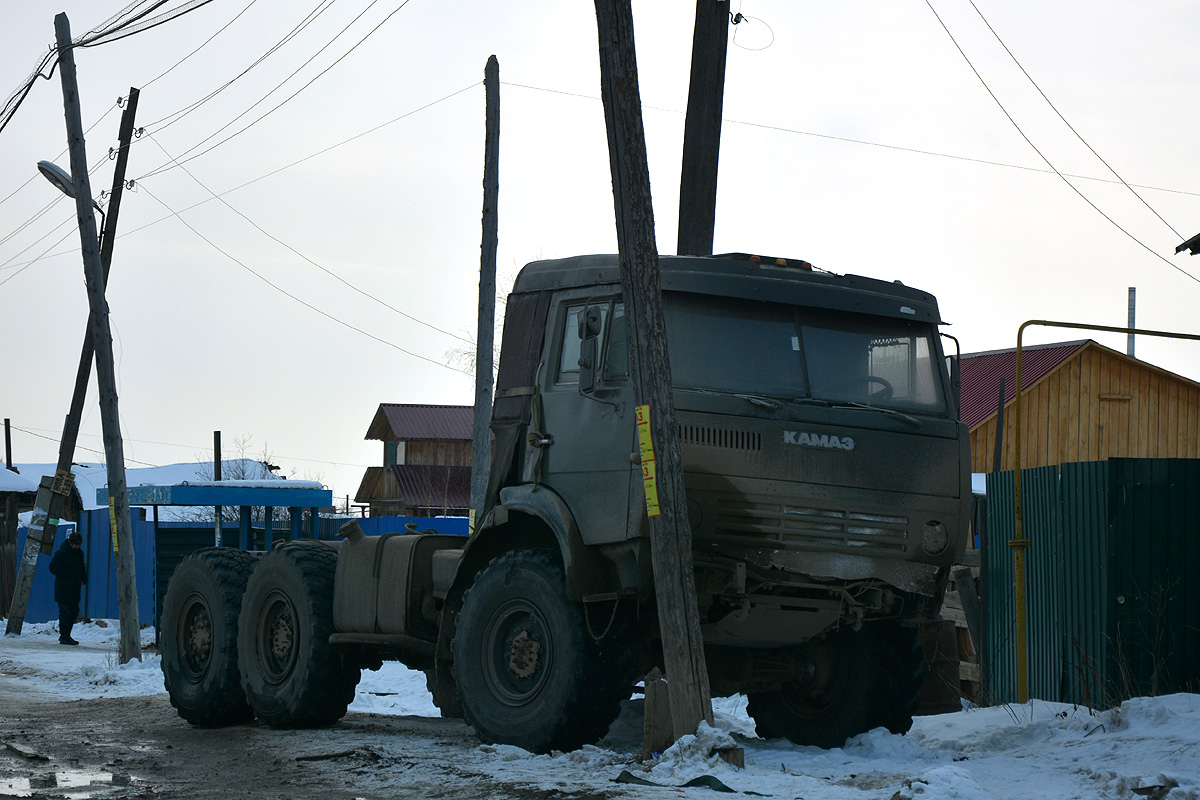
point(201, 344)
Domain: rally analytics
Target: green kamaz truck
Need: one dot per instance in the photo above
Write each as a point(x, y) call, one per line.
point(827, 493)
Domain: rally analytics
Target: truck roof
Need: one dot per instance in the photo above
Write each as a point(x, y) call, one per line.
point(741, 275)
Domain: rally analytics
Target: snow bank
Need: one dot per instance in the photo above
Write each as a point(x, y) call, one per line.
point(1147, 747)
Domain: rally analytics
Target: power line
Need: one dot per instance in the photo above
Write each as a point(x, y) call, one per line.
point(126, 22)
point(185, 158)
point(283, 291)
point(1068, 124)
point(328, 272)
point(1047, 160)
point(193, 448)
point(79, 446)
point(321, 8)
point(865, 142)
point(406, 115)
point(202, 45)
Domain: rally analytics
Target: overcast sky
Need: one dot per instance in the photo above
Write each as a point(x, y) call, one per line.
point(203, 344)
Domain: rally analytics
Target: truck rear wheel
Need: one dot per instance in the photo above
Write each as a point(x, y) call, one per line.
point(528, 672)
point(200, 634)
point(292, 676)
point(853, 682)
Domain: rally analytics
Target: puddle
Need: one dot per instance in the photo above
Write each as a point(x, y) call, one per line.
point(67, 783)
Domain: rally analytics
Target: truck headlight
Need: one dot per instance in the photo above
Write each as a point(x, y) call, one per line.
point(934, 538)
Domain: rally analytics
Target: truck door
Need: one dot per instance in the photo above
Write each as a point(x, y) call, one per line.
point(593, 429)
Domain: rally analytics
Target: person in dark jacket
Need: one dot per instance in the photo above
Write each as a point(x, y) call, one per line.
point(70, 572)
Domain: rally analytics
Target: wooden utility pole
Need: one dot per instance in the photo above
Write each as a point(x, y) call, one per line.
point(670, 537)
point(702, 129)
point(130, 646)
point(218, 510)
point(481, 440)
point(53, 492)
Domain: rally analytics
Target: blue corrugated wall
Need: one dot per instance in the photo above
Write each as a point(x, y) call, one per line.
point(100, 594)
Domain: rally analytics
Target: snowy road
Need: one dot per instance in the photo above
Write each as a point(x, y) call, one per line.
point(92, 719)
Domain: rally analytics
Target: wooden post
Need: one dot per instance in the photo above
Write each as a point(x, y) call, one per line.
point(481, 440)
point(670, 537)
point(53, 493)
point(702, 129)
point(217, 477)
point(130, 646)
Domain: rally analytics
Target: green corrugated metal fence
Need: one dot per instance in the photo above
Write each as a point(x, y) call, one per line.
point(1111, 614)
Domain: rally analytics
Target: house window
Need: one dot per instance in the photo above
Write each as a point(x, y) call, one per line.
point(393, 453)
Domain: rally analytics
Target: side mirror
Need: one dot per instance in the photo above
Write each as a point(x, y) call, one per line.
point(590, 324)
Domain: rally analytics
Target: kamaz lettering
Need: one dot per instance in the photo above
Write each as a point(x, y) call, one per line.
point(821, 440)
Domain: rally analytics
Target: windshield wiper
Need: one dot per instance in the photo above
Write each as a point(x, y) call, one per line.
point(891, 412)
point(758, 400)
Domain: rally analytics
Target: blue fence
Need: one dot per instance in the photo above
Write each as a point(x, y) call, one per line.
point(99, 599)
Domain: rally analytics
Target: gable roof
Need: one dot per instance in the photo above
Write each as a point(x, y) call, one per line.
point(407, 421)
point(982, 372)
point(428, 486)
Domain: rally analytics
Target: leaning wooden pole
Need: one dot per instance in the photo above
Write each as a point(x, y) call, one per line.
point(702, 129)
point(53, 492)
point(662, 464)
point(130, 646)
point(481, 440)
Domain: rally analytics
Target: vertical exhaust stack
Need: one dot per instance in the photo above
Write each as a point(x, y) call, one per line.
point(1132, 316)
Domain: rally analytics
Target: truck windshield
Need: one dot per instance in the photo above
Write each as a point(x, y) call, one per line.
point(732, 345)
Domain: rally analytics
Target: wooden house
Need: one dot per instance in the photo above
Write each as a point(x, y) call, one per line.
point(1081, 402)
point(426, 467)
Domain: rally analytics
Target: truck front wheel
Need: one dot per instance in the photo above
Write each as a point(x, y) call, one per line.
point(528, 671)
point(199, 636)
point(292, 676)
point(849, 683)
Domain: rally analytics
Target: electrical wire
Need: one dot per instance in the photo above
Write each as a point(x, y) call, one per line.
point(283, 291)
point(184, 158)
point(296, 252)
point(406, 115)
point(192, 447)
point(1041, 155)
point(865, 142)
point(1070, 127)
point(79, 446)
point(175, 116)
point(203, 44)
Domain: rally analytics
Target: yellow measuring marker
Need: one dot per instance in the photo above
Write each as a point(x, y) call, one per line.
point(649, 472)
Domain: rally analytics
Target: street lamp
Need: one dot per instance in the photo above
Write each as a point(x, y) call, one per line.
point(62, 179)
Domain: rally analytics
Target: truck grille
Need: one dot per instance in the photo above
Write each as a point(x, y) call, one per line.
point(720, 437)
point(787, 527)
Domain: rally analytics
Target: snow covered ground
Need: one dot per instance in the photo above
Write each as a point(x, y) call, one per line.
point(1148, 747)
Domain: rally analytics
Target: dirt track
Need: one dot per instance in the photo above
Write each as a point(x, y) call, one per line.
point(138, 748)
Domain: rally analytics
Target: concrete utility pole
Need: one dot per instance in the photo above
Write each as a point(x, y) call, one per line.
point(702, 129)
point(481, 440)
point(670, 537)
point(114, 452)
point(53, 492)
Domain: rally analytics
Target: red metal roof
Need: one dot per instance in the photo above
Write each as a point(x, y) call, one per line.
point(430, 487)
point(404, 421)
point(981, 374)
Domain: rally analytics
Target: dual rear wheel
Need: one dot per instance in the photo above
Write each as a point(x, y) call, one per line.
point(241, 641)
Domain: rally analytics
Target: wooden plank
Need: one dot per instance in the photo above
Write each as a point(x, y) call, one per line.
point(969, 672)
point(1173, 448)
point(1073, 392)
point(1143, 422)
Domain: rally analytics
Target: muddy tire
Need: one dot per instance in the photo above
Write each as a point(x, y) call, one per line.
point(200, 636)
point(856, 682)
point(292, 676)
point(528, 671)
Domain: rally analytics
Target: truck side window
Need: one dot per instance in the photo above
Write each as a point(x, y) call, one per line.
point(616, 360)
